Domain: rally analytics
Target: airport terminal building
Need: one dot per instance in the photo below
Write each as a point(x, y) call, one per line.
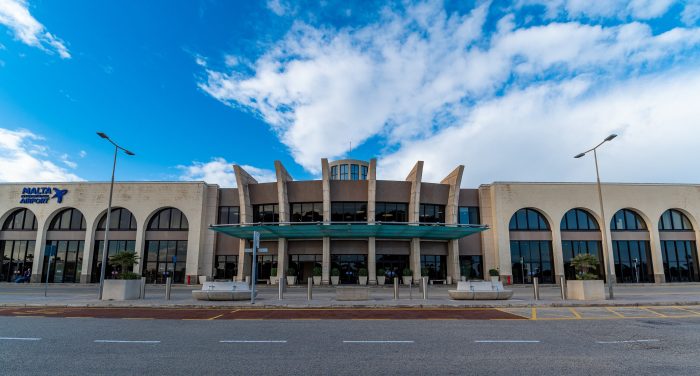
point(349, 221)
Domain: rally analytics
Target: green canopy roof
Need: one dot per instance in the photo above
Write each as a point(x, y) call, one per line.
point(349, 230)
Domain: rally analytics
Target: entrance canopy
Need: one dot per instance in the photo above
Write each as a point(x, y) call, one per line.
point(345, 230)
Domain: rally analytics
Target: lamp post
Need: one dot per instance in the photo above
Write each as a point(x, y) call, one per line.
point(604, 224)
point(109, 210)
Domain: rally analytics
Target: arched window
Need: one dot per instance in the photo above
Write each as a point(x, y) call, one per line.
point(168, 219)
point(528, 220)
point(674, 220)
point(121, 220)
point(578, 220)
point(68, 220)
point(627, 220)
point(20, 219)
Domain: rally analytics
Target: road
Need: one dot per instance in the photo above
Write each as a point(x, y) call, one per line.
point(93, 346)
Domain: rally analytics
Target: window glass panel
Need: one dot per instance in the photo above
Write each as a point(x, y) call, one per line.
point(18, 222)
point(582, 220)
point(175, 217)
point(164, 219)
point(65, 219)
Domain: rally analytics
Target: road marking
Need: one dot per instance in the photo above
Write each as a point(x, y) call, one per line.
point(654, 312)
point(533, 315)
point(378, 341)
point(137, 318)
point(19, 339)
point(629, 341)
point(215, 317)
point(122, 341)
point(254, 341)
point(687, 310)
point(506, 341)
point(618, 314)
point(576, 314)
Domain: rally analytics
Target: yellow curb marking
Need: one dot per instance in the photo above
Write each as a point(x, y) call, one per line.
point(533, 315)
point(618, 314)
point(659, 314)
point(137, 318)
point(215, 317)
point(576, 314)
point(687, 310)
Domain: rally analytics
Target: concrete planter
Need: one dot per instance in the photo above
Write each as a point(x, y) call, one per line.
point(274, 280)
point(449, 279)
point(407, 280)
point(363, 280)
point(335, 280)
point(202, 279)
point(317, 280)
point(585, 290)
point(494, 278)
point(381, 280)
point(121, 289)
point(291, 281)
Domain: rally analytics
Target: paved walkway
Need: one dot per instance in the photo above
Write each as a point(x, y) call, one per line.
point(32, 295)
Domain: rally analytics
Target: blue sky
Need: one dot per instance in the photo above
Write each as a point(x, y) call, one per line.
point(511, 90)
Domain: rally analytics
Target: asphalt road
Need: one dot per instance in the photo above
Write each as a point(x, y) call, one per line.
point(84, 346)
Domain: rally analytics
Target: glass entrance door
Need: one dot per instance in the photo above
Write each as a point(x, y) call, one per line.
point(349, 267)
point(393, 265)
point(304, 265)
point(633, 261)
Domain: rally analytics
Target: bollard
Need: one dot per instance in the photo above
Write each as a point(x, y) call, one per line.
point(168, 282)
point(424, 281)
point(143, 287)
point(562, 285)
point(308, 288)
point(536, 288)
point(280, 286)
point(396, 288)
point(247, 280)
point(410, 289)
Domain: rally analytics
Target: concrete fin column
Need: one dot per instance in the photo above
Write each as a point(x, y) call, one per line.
point(243, 180)
point(140, 246)
point(656, 257)
point(88, 252)
point(326, 257)
point(39, 248)
point(454, 179)
point(206, 260)
point(557, 253)
point(415, 177)
point(371, 214)
point(283, 203)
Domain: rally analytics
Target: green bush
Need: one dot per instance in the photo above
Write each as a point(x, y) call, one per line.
point(335, 272)
point(291, 272)
point(317, 272)
point(494, 272)
point(582, 263)
point(126, 260)
point(424, 272)
point(363, 272)
point(381, 272)
point(407, 272)
point(129, 275)
point(273, 272)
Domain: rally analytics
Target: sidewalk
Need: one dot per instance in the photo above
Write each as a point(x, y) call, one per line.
point(32, 295)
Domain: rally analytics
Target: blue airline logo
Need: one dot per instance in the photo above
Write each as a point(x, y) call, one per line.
point(41, 195)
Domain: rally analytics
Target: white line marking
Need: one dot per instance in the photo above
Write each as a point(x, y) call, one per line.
point(630, 341)
point(20, 339)
point(506, 341)
point(246, 341)
point(119, 341)
point(378, 342)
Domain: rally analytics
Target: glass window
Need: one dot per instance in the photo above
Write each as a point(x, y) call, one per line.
point(531, 258)
point(67, 263)
point(334, 172)
point(578, 220)
point(528, 220)
point(627, 220)
point(632, 261)
point(68, 220)
point(432, 213)
point(363, 172)
point(159, 260)
point(266, 213)
point(354, 172)
point(306, 212)
point(120, 220)
point(391, 212)
point(469, 215)
point(20, 219)
point(349, 212)
point(674, 220)
point(168, 219)
point(343, 172)
point(433, 266)
point(228, 215)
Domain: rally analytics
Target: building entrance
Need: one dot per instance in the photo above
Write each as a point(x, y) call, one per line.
point(304, 265)
point(349, 267)
point(393, 265)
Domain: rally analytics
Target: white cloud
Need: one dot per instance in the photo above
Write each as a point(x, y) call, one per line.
point(15, 15)
point(82, 154)
point(22, 159)
point(66, 160)
point(618, 9)
point(416, 74)
point(219, 171)
point(279, 7)
point(691, 12)
point(532, 135)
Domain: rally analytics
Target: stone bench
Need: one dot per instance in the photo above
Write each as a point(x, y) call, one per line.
point(443, 281)
point(223, 291)
point(480, 290)
point(352, 293)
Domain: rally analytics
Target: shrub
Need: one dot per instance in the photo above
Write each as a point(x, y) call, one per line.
point(494, 272)
point(407, 272)
point(424, 272)
point(363, 272)
point(291, 272)
point(129, 275)
point(335, 272)
point(582, 263)
point(381, 272)
point(317, 272)
point(126, 260)
point(273, 272)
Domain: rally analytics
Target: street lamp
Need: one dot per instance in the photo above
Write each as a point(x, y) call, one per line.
point(604, 225)
point(109, 210)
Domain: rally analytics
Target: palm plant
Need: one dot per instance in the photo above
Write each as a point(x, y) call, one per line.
point(582, 263)
point(126, 260)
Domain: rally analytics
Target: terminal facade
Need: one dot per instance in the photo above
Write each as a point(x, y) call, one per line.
point(533, 229)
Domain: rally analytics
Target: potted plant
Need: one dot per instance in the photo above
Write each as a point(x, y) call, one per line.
point(273, 276)
point(494, 273)
point(335, 276)
point(587, 286)
point(363, 276)
point(291, 276)
point(407, 276)
point(128, 284)
point(381, 278)
point(317, 272)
